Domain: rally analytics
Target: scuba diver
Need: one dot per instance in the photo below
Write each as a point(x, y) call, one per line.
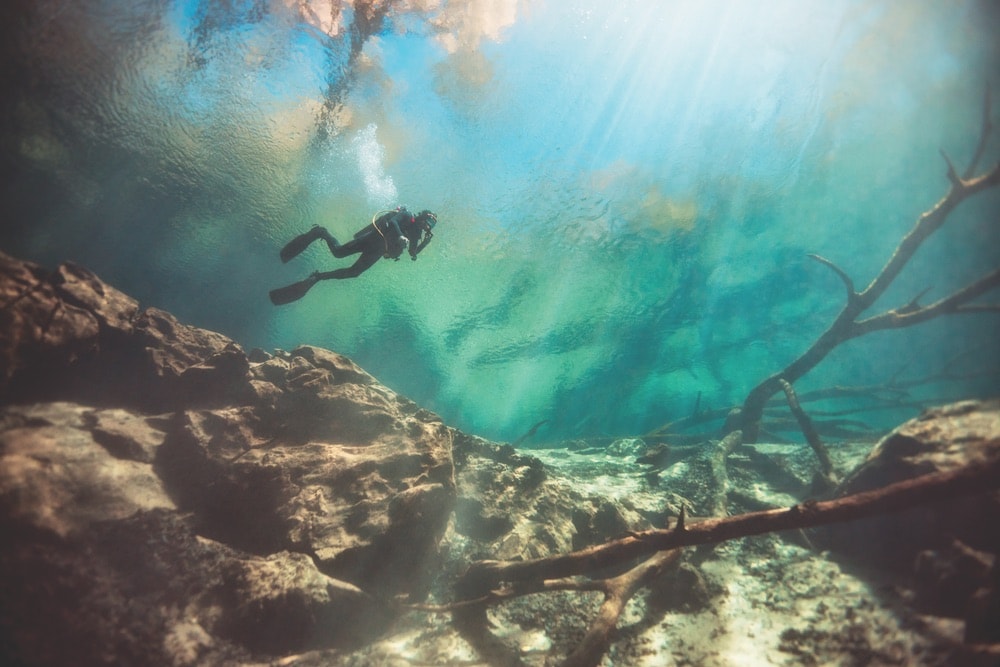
point(388, 235)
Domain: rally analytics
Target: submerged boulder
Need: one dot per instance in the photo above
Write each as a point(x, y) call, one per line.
point(66, 334)
point(945, 549)
point(510, 508)
point(939, 440)
point(61, 470)
point(168, 501)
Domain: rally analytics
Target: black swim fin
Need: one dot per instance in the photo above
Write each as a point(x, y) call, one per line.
point(300, 243)
point(293, 292)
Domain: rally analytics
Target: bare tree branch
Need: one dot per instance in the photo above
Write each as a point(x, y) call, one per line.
point(482, 576)
point(848, 283)
point(487, 582)
point(812, 437)
point(951, 173)
point(618, 591)
point(846, 326)
point(720, 475)
point(956, 302)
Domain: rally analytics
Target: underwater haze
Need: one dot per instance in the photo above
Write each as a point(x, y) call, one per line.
point(627, 193)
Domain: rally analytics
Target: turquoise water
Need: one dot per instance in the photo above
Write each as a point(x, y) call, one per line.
point(627, 192)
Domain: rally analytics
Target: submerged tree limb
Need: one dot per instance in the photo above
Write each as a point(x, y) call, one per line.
point(483, 576)
point(471, 620)
point(812, 437)
point(530, 432)
point(846, 325)
point(720, 474)
point(617, 592)
point(892, 395)
point(490, 582)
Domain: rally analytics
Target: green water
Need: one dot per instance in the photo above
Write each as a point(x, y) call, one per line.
point(627, 194)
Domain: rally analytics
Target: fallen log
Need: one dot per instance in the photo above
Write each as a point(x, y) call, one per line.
point(489, 582)
point(483, 576)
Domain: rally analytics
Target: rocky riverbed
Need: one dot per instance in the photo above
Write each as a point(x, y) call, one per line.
point(169, 498)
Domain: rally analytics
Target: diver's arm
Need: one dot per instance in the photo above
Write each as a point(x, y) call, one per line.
point(420, 246)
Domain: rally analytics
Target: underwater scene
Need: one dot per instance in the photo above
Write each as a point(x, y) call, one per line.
point(499, 332)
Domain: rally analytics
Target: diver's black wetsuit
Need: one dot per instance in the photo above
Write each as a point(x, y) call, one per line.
point(382, 238)
point(387, 236)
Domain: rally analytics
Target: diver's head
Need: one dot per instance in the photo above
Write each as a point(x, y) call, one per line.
point(427, 219)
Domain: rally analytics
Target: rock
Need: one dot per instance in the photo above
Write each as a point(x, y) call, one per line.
point(55, 475)
point(171, 347)
point(41, 335)
point(327, 396)
point(509, 508)
point(257, 355)
point(941, 439)
point(657, 456)
point(115, 311)
point(283, 603)
point(598, 521)
point(197, 506)
point(474, 518)
point(945, 580)
point(506, 507)
point(65, 334)
point(185, 366)
point(329, 463)
point(88, 524)
point(128, 591)
point(627, 447)
point(123, 434)
point(983, 610)
point(686, 590)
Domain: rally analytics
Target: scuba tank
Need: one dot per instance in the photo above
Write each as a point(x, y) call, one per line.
point(380, 223)
point(391, 235)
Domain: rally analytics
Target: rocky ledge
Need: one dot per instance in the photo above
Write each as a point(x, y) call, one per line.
point(168, 499)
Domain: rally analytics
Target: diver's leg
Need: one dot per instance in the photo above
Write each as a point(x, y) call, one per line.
point(295, 247)
point(365, 262)
point(337, 250)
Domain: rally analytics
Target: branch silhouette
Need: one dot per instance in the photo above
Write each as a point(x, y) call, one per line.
point(846, 326)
